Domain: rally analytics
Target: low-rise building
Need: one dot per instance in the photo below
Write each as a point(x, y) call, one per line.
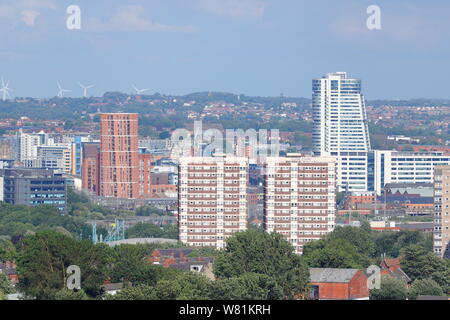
point(339, 284)
point(393, 268)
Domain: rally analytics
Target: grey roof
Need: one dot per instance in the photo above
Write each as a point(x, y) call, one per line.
point(401, 275)
point(186, 266)
point(140, 241)
point(416, 226)
point(175, 252)
point(332, 275)
point(409, 185)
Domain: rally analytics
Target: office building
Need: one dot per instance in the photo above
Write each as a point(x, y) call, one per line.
point(212, 195)
point(441, 233)
point(340, 128)
point(405, 167)
point(300, 198)
point(33, 187)
point(119, 159)
point(57, 157)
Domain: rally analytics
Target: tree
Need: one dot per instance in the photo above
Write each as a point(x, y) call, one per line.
point(7, 250)
point(361, 238)
point(43, 259)
point(140, 292)
point(149, 210)
point(255, 251)
point(185, 286)
point(390, 289)
point(5, 286)
point(150, 230)
point(249, 286)
point(420, 264)
point(204, 252)
point(337, 253)
point(345, 247)
point(391, 243)
point(66, 294)
point(424, 287)
point(129, 264)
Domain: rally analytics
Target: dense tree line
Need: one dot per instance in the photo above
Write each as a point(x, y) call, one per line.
point(150, 230)
point(351, 247)
point(254, 264)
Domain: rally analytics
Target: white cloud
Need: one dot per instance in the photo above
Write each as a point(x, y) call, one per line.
point(132, 18)
point(29, 17)
point(236, 9)
point(25, 11)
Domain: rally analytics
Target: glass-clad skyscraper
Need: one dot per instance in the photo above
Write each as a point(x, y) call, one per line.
point(340, 128)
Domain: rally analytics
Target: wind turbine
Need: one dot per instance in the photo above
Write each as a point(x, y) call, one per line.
point(61, 90)
point(139, 91)
point(85, 88)
point(5, 89)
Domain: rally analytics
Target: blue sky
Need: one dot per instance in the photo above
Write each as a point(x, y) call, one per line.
point(255, 47)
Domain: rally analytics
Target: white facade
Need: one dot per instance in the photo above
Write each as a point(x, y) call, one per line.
point(38, 150)
point(212, 194)
point(340, 128)
point(405, 167)
point(300, 198)
point(1, 188)
point(29, 143)
point(57, 157)
point(441, 216)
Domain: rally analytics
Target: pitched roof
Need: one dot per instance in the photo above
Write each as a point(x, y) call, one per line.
point(332, 275)
point(187, 266)
point(401, 275)
point(392, 262)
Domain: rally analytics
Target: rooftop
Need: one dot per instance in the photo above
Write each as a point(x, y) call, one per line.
point(332, 275)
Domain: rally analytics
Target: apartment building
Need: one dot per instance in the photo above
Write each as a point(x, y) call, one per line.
point(212, 195)
point(300, 198)
point(441, 233)
point(119, 160)
point(28, 144)
point(90, 172)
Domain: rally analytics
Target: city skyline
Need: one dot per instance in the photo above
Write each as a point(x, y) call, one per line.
point(255, 47)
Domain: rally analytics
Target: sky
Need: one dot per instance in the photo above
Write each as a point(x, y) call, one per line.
point(252, 47)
